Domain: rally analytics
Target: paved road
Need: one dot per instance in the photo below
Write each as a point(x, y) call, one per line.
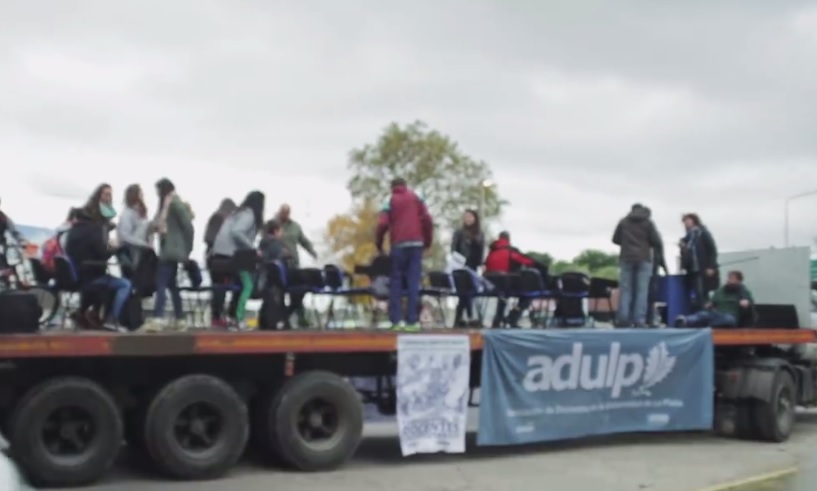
point(667, 462)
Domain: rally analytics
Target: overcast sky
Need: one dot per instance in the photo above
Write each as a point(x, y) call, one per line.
point(582, 108)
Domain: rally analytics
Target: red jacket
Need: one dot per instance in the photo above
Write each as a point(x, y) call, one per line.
point(406, 218)
point(503, 258)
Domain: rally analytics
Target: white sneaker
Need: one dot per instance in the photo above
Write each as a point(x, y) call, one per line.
point(180, 325)
point(154, 325)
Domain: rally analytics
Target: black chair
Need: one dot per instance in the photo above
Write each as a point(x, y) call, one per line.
point(440, 287)
point(306, 281)
point(574, 288)
point(601, 290)
point(776, 316)
point(69, 288)
point(339, 285)
point(41, 276)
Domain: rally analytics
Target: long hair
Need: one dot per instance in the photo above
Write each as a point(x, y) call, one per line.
point(164, 187)
point(133, 199)
point(255, 202)
point(475, 228)
point(92, 205)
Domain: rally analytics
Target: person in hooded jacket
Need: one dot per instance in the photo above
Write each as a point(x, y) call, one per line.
point(637, 238)
point(504, 258)
point(468, 242)
point(88, 247)
point(411, 229)
point(699, 259)
point(238, 233)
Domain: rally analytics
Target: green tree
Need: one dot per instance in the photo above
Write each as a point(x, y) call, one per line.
point(540, 257)
point(596, 260)
point(560, 267)
point(448, 180)
point(607, 272)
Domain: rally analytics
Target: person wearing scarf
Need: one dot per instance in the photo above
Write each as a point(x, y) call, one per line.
point(699, 260)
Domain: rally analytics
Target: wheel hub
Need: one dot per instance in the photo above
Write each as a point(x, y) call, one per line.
point(198, 427)
point(68, 431)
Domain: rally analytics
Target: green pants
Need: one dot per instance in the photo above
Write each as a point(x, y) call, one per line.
point(246, 292)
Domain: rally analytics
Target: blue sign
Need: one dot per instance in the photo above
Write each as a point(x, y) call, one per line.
point(550, 385)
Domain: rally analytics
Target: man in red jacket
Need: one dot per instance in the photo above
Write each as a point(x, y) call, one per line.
point(406, 219)
point(503, 258)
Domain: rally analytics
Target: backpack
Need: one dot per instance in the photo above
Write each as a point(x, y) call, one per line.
point(51, 249)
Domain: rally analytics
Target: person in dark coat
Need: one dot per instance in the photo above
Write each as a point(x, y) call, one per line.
point(468, 242)
point(637, 237)
point(699, 260)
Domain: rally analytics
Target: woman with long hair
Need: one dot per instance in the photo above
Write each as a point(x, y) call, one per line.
point(699, 260)
point(135, 229)
point(468, 242)
point(99, 206)
point(218, 266)
point(175, 227)
point(237, 235)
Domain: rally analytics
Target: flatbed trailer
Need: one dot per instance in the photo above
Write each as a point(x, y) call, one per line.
point(191, 402)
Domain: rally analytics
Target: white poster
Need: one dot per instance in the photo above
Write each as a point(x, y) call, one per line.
point(433, 381)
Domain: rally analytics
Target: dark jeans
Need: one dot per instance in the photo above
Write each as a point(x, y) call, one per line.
point(711, 318)
point(465, 307)
point(222, 279)
point(406, 269)
point(166, 280)
point(513, 316)
point(634, 286)
point(121, 289)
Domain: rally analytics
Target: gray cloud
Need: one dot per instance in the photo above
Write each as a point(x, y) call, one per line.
point(686, 105)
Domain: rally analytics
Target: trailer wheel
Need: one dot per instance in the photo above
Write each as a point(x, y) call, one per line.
point(774, 419)
point(316, 421)
point(66, 431)
point(196, 428)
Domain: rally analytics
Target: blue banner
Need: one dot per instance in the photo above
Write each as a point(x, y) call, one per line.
point(550, 385)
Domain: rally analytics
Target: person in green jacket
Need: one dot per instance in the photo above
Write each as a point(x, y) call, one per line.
point(725, 308)
point(174, 224)
point(292, 236)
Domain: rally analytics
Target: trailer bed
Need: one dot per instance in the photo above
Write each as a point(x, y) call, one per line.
point(207, 342)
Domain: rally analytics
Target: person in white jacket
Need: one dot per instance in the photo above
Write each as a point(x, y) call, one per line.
point(135, 229)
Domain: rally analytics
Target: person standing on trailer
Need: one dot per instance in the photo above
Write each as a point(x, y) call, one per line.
point(135, 229)
point(293, 236)
point(219, 267)
point(637, 238)
point(410, 227)
point(175, 227)
point(468, 242)
point(699, 259)
point(237, 234)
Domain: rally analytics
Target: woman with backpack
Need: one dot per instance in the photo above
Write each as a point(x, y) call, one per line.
point(236, 240)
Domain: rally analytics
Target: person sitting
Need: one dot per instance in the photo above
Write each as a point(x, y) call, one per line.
point(89, 250)
point(503, 258)
point(724, 310)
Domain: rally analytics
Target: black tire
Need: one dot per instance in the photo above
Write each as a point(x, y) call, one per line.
point(774, 419)
point(341, 426)
point(92, 423)
point(217, 424)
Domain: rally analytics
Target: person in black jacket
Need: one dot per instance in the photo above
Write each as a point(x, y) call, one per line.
point(468, 242)
point(88, 249)
point(699, 260)
point(637, 237)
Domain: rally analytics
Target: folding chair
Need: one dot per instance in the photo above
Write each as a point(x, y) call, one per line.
point(601, 290)
point(440, 287)
point(532, 286)
point(574, 289)
point(68, 286)
point(338, 285)
point(195, 294)
point(306, 281)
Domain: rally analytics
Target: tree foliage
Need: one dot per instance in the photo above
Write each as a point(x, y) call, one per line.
point(350, 236)
point(593, 262)
point(432, 164)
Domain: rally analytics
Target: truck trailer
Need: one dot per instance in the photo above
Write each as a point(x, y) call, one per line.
point(191, 403)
